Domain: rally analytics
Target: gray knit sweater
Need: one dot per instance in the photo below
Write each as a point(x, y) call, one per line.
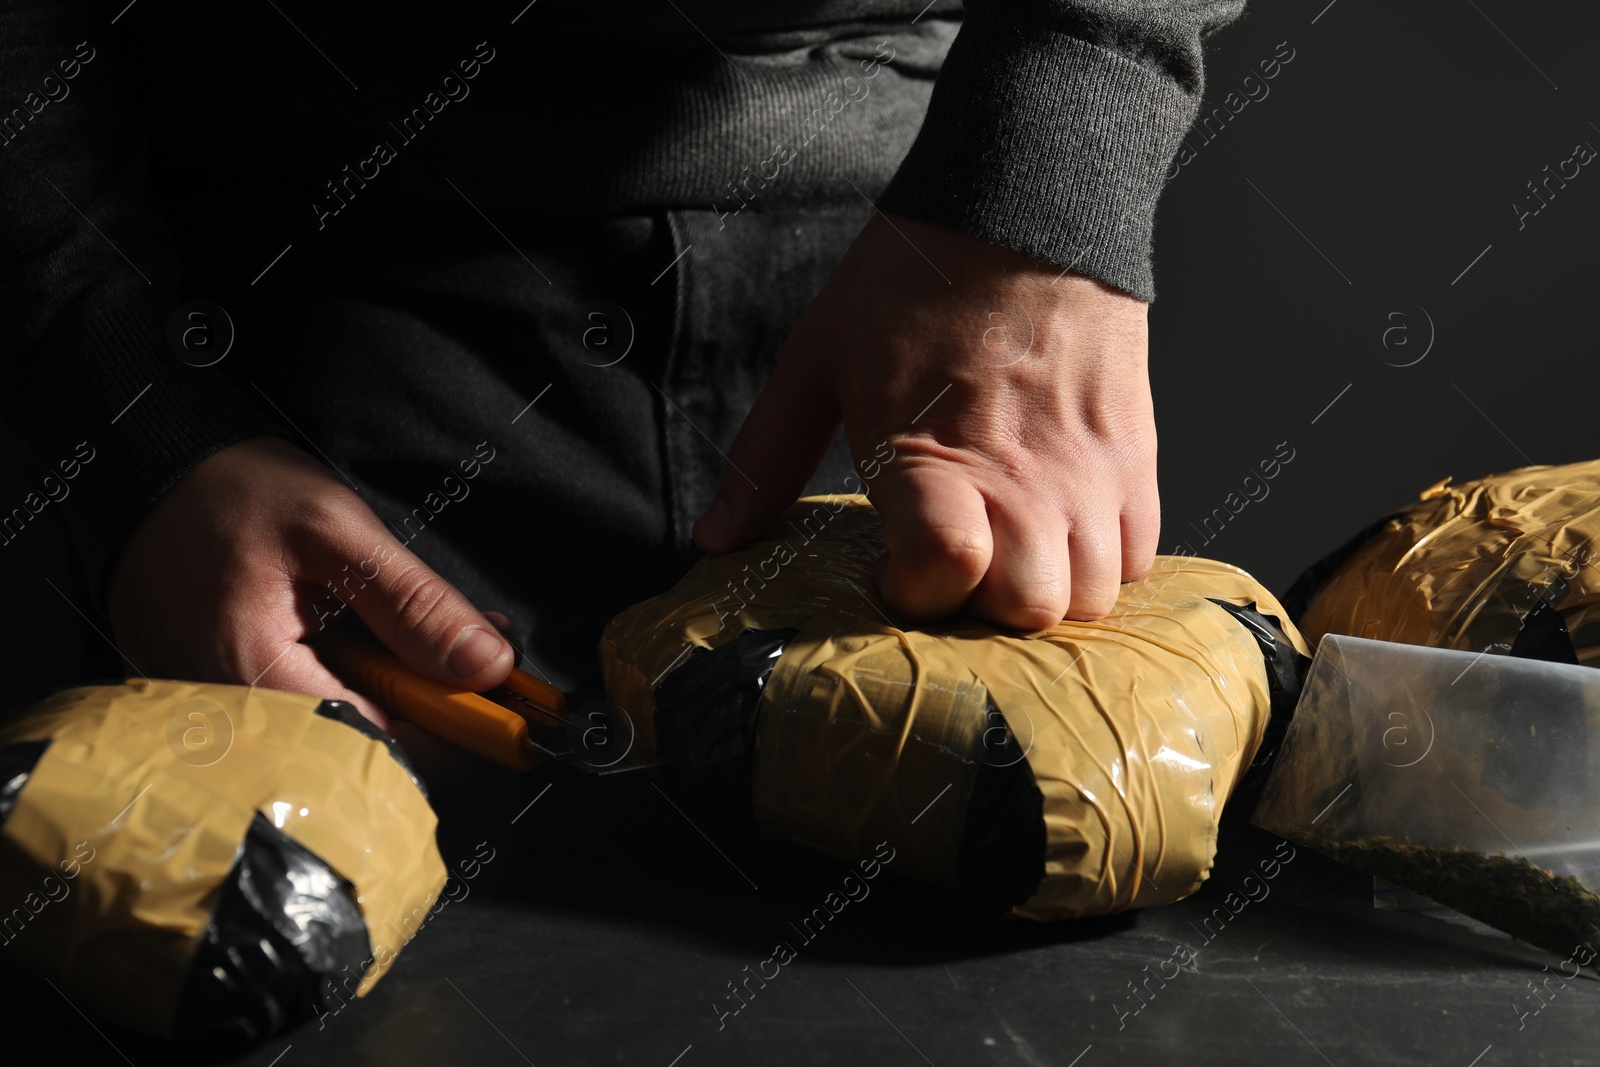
point(1042, 125)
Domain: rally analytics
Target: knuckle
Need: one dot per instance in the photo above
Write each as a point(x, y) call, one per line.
point(323, 516)
point(426, 598)
point(330, 505)
point(1143, 510)
point(1130, 427)
point(1030, 605)
point(958, 550)
point(1011, 456)
point(1139, 453)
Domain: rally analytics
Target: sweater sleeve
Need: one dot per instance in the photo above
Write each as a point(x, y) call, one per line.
point(1052, 125)
point(110, 416)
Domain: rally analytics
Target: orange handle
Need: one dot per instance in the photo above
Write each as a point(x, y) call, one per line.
point(459, 716)
point(541, 693)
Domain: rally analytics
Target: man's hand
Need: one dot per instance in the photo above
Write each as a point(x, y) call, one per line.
point(228, 575)
point(1016, 402)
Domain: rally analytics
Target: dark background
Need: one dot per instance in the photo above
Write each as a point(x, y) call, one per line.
point(1396, 141)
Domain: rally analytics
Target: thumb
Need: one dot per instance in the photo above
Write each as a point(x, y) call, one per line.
point(422, 618)
point(778, 449)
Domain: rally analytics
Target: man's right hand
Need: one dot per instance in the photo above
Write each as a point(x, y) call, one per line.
point(227, 577)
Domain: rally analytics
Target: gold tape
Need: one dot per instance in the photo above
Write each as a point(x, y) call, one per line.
point(161, 779)
point(1462, 566)
point(1137, 727)
point(866, 737)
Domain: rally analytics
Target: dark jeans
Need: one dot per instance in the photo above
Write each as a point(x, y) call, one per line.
point(411, 341)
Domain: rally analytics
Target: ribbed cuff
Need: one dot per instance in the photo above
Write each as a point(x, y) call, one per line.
point(1044, 143)
point(108, 387)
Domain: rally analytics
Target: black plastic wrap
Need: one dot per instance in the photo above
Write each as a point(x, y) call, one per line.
point(1003, 843)
point(1544, 636)
point(706, 708)
point(284, 922)
point(16, 765)
point(1286, 673)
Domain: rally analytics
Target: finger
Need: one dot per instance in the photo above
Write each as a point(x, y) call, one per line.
point(1140, 524)
point(1029, 583)
point(294, 668)
point(779, 447)
point(937, 540)
point(1141, 527)
point(1095, 551)
point(421, 617)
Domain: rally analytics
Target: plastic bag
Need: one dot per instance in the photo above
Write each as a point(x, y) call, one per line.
point(1473, 780)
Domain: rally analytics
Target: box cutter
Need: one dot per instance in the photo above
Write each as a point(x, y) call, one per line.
point(518, 725)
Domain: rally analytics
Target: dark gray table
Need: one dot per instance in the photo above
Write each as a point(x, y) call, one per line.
point(606, 928)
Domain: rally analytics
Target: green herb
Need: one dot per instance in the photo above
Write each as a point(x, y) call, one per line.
point(1554, 912)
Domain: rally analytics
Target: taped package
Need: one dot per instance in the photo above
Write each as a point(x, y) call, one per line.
point(208, 861)
point(1078, 770)
point(1504, 564)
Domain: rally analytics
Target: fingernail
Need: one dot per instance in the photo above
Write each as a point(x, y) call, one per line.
point(715, 523)
point(472, 651)
point(510, 640)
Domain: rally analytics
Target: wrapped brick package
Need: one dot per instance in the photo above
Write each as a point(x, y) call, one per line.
point(1079, 770)
point(1504, 564)
point(208, 861)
